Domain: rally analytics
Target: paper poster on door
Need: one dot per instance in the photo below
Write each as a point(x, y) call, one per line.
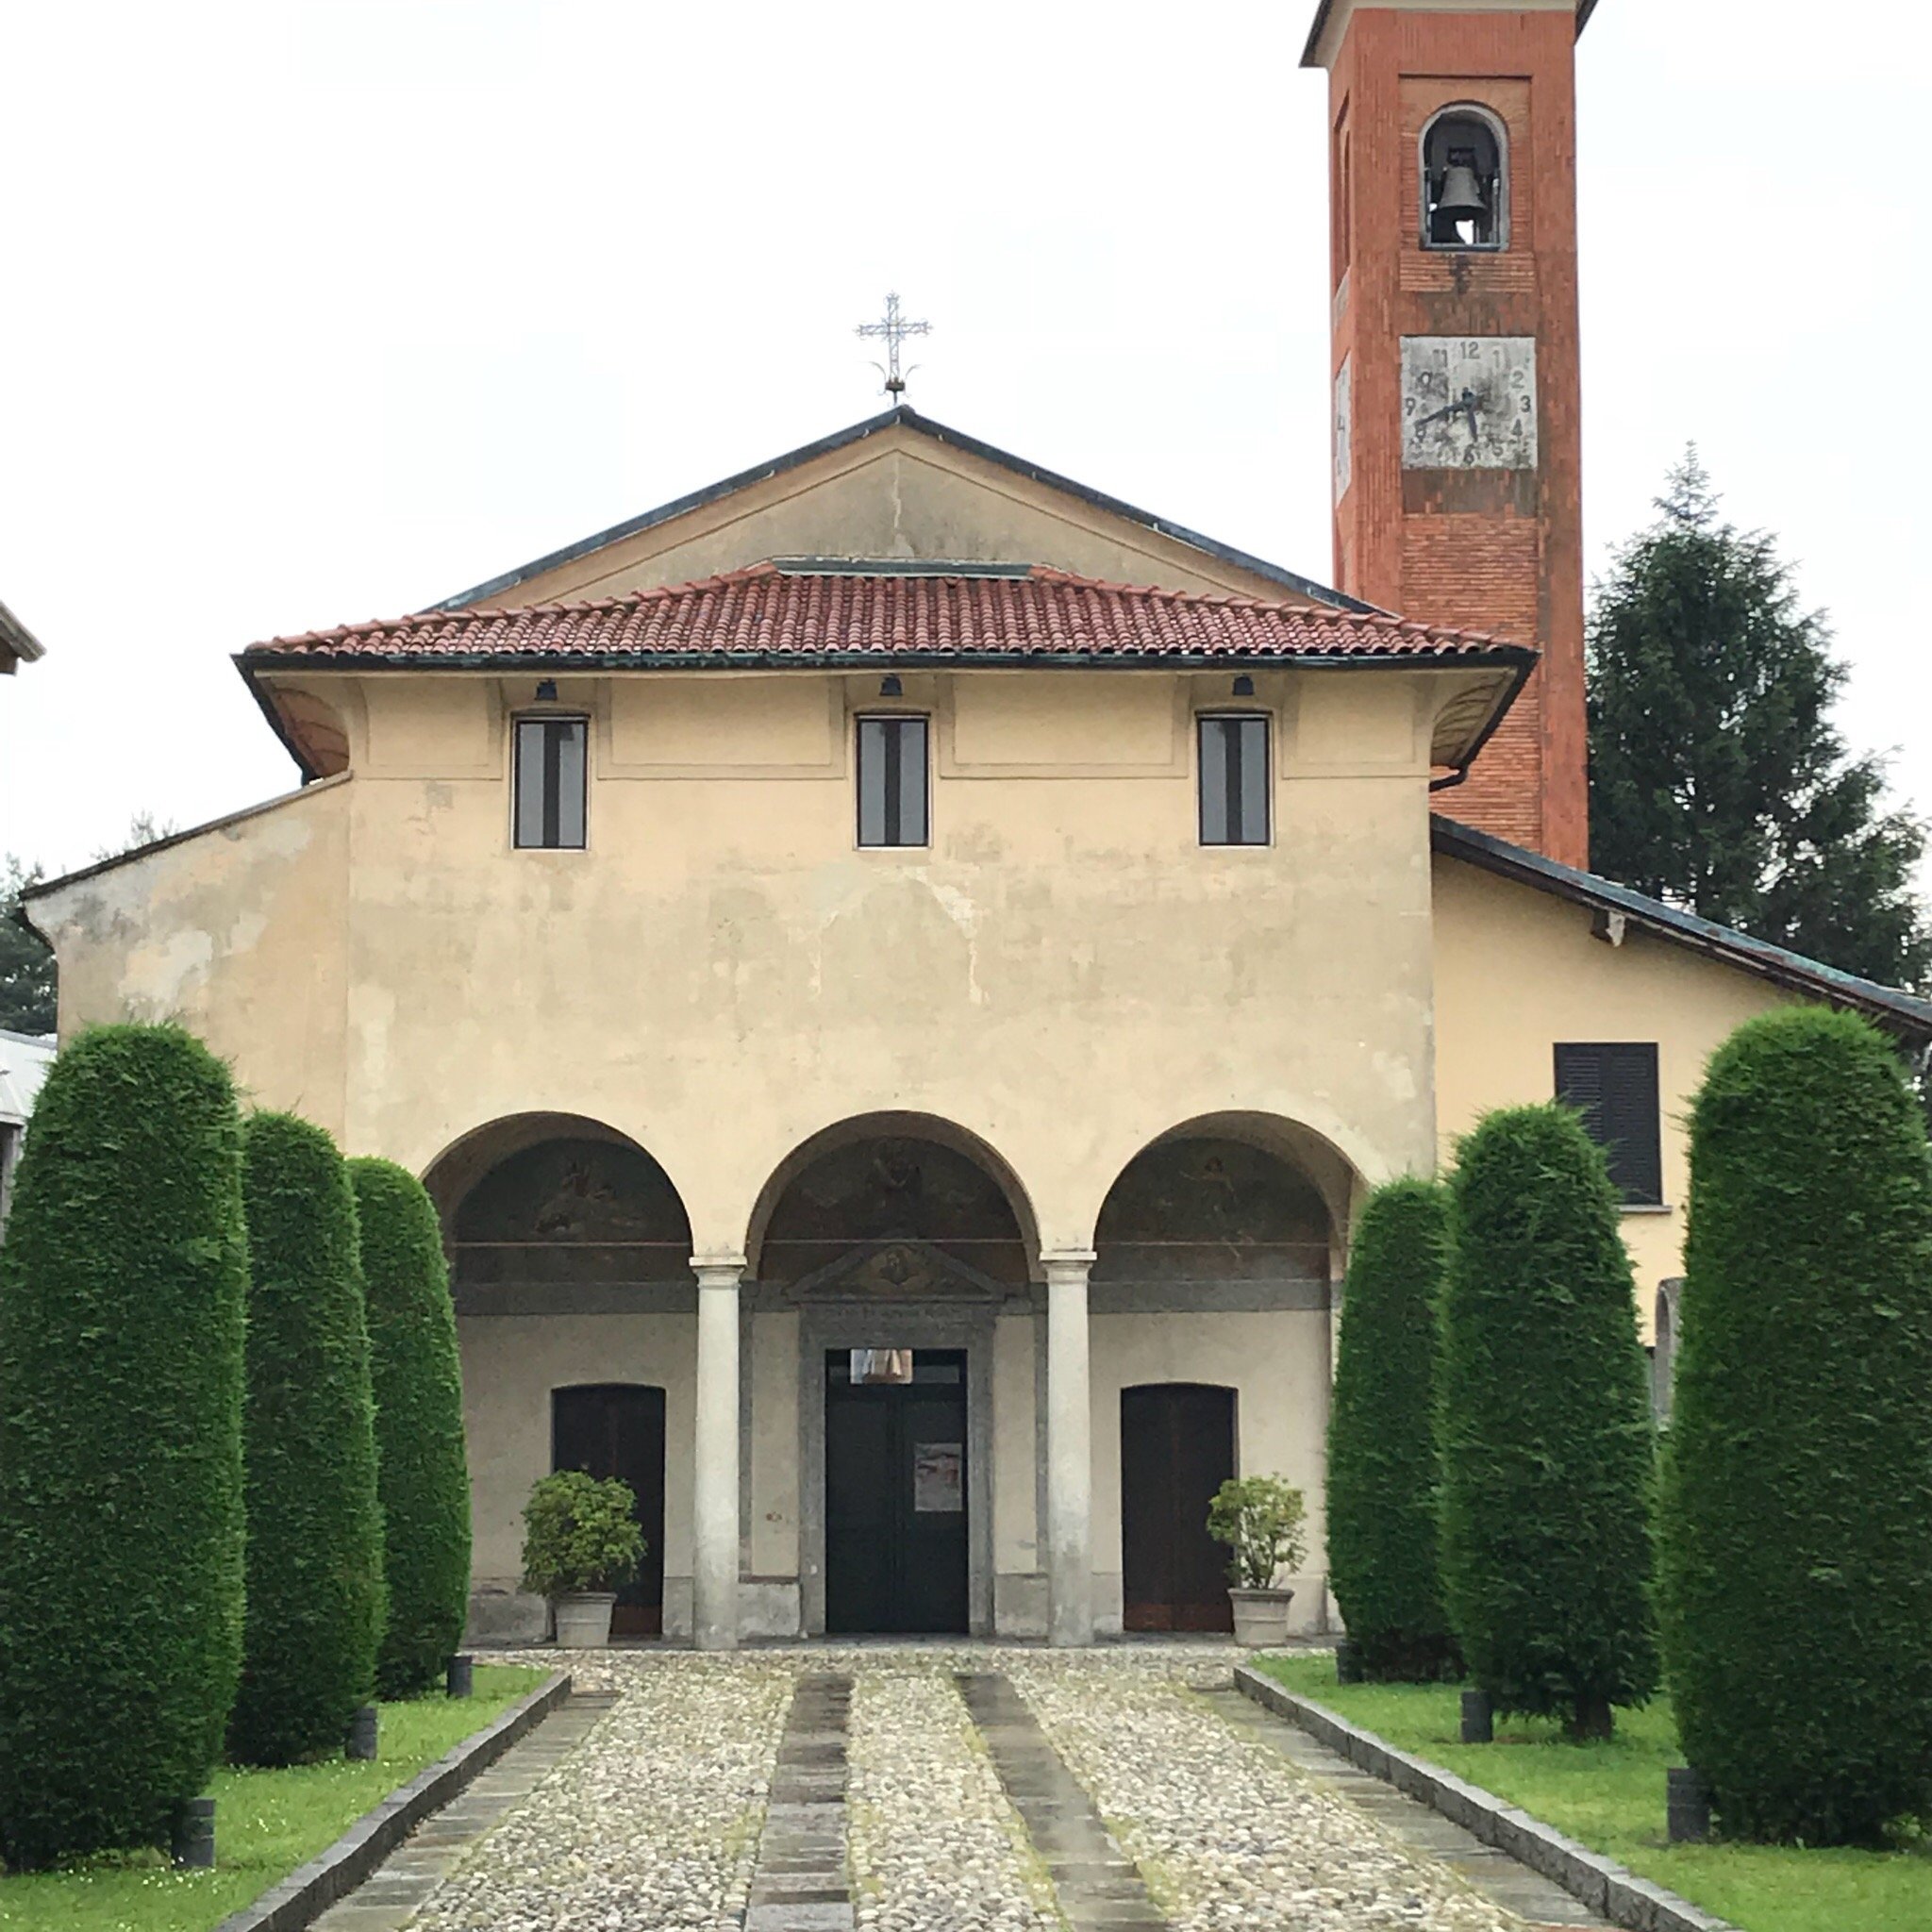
point(938, 1474)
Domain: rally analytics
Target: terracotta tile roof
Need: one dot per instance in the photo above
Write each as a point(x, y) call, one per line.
point(777, 615)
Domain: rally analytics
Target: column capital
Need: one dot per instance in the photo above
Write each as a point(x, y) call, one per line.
point(718, 1270)
point(1067, 1260)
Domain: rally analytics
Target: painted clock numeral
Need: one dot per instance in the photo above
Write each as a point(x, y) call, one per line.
point(1469, 403)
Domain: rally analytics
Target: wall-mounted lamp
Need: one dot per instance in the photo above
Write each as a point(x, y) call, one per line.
point(889, 686)
point(1244, 686)
point(547, 691)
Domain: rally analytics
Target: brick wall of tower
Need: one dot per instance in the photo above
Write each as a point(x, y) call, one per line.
point(1484, 550)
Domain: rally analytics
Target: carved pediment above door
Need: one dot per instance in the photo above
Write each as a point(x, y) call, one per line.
point(900, 1270)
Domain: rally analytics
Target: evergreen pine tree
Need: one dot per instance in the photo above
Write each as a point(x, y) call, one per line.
point(123, 1282)
point(26, 962)
point(1382, 1469)
point(1718, 779)
point(423, 1477)
point(1544, 1424)
point(1796, 1552)
point(315, 1589)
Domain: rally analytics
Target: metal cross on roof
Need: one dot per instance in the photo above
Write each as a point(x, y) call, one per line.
point(894, 331)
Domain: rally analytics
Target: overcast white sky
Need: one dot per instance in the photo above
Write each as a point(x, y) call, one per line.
point(319, 312)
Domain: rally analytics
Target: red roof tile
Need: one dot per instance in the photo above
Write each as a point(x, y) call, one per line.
point(779, 614)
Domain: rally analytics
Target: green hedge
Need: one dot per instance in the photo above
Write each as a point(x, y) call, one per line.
point(419, 1426)
point(1544, 1426)
point(1382, 1466)
point(1797, 1517)
point(121, 1290)
point(315, 1589)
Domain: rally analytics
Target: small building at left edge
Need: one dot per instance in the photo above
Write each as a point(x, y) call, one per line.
point(24, 1062)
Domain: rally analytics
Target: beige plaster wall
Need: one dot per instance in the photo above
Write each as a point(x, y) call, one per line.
point(897, 494)
point(1518, 970)
point(771, 1525)
point(1017, 1341)
point(510, 1365)
point(1066, 972)
point(239, 933)
point(1278, 1366)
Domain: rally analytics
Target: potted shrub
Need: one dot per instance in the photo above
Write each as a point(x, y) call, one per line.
point(581, 1540)
point(1262, 1521)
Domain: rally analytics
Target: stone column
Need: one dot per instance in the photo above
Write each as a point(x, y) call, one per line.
point(1069, 1451)
point(714, 1466)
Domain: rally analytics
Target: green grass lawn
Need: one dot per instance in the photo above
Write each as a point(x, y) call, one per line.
point(266, 1823)
point(1610, 1797)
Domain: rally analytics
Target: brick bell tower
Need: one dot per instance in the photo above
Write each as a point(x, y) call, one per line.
point(1457, 453)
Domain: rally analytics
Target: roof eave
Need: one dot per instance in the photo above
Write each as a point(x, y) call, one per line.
point(272, 713)
point(17, 642)
point(1311, 52)
point(906, 417)
point(1903, 1013)
point(1516, 657)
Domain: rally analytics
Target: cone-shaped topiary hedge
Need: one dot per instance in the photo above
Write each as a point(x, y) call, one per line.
point(1796, 1529)
point(1381, 1437)
point(1544, 1427)
point(419, 1426)
point(316, 1589)
point(121, 1290)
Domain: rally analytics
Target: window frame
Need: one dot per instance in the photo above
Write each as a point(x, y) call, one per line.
point(559, 716)
point(910, 716)
point(1635, 1192)
point(1227, 714)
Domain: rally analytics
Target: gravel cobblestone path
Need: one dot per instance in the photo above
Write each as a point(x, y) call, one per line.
point(656, 1819)
point(1227, 1833)
point(652, 1822)
point(935, 1847)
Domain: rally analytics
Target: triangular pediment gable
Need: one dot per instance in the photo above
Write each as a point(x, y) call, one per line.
point(896, 488)
point(897, 1269)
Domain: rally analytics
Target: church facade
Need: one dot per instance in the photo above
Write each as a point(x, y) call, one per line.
point(898, 969)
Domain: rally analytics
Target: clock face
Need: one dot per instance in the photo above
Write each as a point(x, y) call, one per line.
point(1469, 402)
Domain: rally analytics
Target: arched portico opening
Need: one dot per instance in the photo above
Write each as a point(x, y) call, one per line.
point(570, 1265)
point(891, 1177)
point(1216, 1251)
point(897, 1241)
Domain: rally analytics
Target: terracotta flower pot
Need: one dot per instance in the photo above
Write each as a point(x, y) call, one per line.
point(583, 1623)
point(1260, 1617)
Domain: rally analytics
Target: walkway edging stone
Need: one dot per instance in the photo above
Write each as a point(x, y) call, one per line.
point(311, 1889)
point(1600, 1883)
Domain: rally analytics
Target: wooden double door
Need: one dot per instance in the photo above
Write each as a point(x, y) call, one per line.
point(896, 1499)
point(1177, 1447)
point(617, 1428)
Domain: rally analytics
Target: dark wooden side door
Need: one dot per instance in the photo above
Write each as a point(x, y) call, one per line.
point(1177, 1449)
point(895, 1498)
point(617, 1428)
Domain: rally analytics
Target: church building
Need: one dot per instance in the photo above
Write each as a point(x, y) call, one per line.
point(899, 969)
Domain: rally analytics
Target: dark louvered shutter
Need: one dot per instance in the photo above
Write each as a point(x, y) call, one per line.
point(1613, 1084)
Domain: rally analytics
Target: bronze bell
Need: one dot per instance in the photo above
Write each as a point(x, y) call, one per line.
point(1462, 199)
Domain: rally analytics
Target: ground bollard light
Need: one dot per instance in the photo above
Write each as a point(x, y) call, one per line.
point(1686, 1805)
point(192, 1841)
point(459, 1679)
point(362, 1743)
point(1478, 1718)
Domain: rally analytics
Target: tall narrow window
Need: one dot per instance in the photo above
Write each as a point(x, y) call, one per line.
point(550, 782)
point(1613, 1085)
point(891, 781)
point(1234, 781)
